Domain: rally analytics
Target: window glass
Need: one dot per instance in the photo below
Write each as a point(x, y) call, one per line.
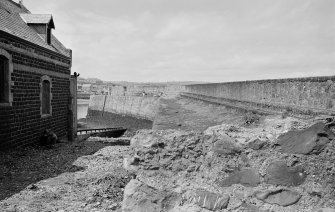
point(3, 79)
point(45, 97)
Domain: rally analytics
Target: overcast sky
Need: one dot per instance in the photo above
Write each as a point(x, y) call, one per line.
point(195, 40)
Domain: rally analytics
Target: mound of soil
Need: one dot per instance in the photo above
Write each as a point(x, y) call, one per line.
point(196, 167)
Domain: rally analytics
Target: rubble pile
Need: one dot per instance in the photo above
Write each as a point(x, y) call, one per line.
point(278, 167)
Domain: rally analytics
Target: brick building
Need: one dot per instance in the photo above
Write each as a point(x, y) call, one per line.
point(35, 77)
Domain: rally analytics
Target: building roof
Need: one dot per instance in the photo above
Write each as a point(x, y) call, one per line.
point(86, 85)
point(38, 19)
point(11, 21)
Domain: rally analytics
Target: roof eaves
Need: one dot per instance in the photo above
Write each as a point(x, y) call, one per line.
point(34, 45)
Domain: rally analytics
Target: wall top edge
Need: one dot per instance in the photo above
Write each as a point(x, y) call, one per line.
point(283, 80)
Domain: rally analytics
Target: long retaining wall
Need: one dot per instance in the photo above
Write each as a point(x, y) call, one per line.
point(137, 106)
point(306, 96)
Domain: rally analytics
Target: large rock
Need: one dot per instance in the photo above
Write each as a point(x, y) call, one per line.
point(147, 138)
point(130, 164)
point(224, 145)
point(256, 144)
point(247, 177)
point(281, 197)
point(308, 141)
point(278, 173)
point(209, 200)
point(139, 197)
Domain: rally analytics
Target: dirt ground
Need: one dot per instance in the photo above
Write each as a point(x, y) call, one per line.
point(22, 167)
point(89, 175)
point(187, 114)
point(79, 176)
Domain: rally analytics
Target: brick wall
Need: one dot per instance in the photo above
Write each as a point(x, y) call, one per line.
point(21, 124)
point(311, 95)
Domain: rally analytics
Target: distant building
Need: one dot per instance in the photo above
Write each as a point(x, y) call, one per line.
point(81, 80)
point(94, 89)
point(35, 75)
point(86, 88)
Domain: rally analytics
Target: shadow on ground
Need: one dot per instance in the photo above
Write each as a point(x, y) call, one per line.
point(22, 167)
point(98, 119)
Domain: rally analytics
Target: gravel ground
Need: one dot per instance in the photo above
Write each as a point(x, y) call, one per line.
point(24, 166)
point(97, 184)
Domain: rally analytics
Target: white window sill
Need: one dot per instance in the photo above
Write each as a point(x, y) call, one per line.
point(45, 115)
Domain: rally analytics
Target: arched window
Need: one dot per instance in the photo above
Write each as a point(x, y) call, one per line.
point(6, 68)
point(46, 96)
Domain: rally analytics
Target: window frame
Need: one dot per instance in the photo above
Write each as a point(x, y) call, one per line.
point(45, 78)
point(9, 70)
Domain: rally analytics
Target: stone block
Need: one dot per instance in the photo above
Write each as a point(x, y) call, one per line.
point(246, 177)
point(278, 173)
point(282, 197)
point(308, 141)
point(226, 146)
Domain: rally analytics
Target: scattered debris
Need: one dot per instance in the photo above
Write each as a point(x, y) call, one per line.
point(229, 167)
point(246, 177)
point(224, 145)
point(308, 141)
point(281, 197)
point(141, 197)
point(209, 200)
point(278, 173)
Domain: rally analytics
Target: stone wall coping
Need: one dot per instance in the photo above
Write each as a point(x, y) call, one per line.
point(302, 79)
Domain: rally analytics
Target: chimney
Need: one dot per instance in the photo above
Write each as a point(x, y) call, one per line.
point(21, 3)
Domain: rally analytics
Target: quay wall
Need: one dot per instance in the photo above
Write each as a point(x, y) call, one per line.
point(307, 96)
point(143, 107)
point(166, 91)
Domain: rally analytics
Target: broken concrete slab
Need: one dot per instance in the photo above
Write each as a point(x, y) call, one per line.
point(247, 177)
point(282, 197)
point(308, 141)
point(139, 197)
point(147, 138)
point(278, 173)
point(209, 200)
